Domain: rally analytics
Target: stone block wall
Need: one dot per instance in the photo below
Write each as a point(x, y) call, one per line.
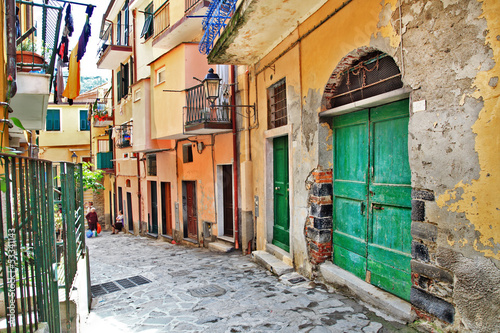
point(318, 229)
point(432, 285)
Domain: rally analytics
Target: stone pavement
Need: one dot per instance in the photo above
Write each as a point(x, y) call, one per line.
point(196, 290)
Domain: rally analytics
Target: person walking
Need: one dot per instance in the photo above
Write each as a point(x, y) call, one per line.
point(92, 219)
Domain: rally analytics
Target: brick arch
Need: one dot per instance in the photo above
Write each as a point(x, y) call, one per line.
point(343, 65)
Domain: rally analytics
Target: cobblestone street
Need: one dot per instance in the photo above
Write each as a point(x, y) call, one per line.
point(195, 290)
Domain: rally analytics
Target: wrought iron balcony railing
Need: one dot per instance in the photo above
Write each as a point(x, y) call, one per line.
point(124, 136)
point(161, 18)
point(200, 115)
point(37, 35)
point(107, 37)
point(190, 4)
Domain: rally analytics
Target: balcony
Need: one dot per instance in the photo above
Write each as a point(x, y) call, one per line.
point(114, 51)
point(102, 112)
point(35, 59)
point(251, 18)
point(105, 160)
point(124, 136)
point(169, 33)
point(202, 118)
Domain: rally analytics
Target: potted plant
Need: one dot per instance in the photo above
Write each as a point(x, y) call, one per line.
point(26, 57)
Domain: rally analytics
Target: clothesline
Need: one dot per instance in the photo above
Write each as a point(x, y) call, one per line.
point(76, 3)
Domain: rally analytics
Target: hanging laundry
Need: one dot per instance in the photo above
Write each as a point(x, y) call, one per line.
point(67, 31)
point(59, 79)
point(68, 21)
point(72, 89)
point(84, 38)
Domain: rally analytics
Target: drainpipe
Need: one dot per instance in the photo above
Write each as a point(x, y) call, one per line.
point(139, 193)
point(10, 8)
point(235, 162)
point(134, 13)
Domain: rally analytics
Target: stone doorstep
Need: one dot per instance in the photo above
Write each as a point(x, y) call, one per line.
point(394, 307)
point(220, 247)
point(271, 263)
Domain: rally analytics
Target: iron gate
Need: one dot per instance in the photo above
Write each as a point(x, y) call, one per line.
point(28, 250)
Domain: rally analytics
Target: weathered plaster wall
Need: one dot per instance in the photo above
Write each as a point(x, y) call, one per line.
point(449, 55)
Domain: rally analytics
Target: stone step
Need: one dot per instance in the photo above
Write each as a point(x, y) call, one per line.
point(220, 247)
point(271, 263)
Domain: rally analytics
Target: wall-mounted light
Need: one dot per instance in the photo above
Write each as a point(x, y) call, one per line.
point(74, 157)
point(211, 83)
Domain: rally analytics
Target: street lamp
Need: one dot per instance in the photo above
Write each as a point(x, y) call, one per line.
point(74, 157)
point(211, 83)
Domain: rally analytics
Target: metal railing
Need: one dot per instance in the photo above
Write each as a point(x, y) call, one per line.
point(218, 14)
point(107, 37)
point(199, 110)
point(28, 247)
point(124, 137)
point(161, 19)
point(190, 4)
point(38, 55)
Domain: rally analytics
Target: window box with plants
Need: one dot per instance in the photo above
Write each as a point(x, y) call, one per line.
point(26, 57)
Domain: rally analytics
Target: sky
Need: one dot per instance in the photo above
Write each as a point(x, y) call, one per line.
point(88, 65)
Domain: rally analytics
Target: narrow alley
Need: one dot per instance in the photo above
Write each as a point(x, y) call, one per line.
point(186, 289)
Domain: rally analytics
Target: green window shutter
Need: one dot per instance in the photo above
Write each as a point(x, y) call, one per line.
point(57, 120)
point(119, 85)
point(52, 122)
point(49, 124)
point(84, 122)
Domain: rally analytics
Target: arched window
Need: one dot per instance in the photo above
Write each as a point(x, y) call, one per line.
point(373, 74)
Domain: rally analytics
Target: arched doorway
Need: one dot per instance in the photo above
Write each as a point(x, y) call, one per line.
point(371, 177)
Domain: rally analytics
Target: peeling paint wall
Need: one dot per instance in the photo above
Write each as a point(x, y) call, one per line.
point(448, 52)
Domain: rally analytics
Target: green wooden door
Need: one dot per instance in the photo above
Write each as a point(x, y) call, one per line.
point(281, 235)
point(350, 183)
point(372, 196)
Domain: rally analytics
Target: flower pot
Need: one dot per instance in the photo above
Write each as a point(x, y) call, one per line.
point(26, 59)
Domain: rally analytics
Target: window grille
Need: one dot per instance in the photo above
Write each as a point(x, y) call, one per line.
point(276, 103)
point(372, 75)
point(151, 162)
point(187, 153)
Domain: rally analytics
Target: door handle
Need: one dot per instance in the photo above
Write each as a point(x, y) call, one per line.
point(277, 188)
point(377, 207)
point(362, 208)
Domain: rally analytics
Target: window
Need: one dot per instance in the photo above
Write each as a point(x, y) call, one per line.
point(125, 26)
point(84, 120)
point(160, 76)
point(103, 146)
point(53, 120)
point(187, 153)
point(119, 29)
point(124, 79)
point(137, 95)
point(276, 104)
point(147, 29)
point(151, 160)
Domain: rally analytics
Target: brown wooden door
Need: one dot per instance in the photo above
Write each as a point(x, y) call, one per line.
point(192, 217)
point(227, 193)
point(166, 210)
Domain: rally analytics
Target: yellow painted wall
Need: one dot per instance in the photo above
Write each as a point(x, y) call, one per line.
point(180, 65)
point(479, 199)
point(70, 133)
